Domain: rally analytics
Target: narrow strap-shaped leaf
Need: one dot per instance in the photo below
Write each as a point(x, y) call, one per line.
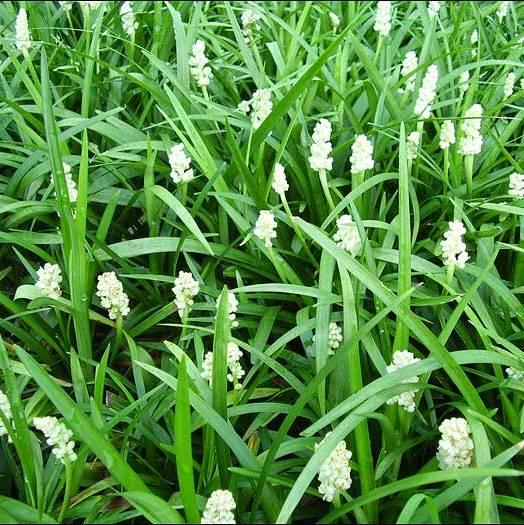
point(86, 431)
point(183, 452)
point(182, 212)
point(219, 383)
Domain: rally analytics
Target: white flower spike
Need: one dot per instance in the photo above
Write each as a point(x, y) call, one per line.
point(219, 508)
point(455, 448)
point(516, 185)
point(427, 92)
point(250, 19)
point(433, 9)
point(335, 473)
point(409, 64)
point(406, 400)
point(335, 337)
point(280, 184)
point(321, 148)
point(361, 155)
point(503, 10)
point(129, 23)
point(236, 372)
point(58, 436)
point(180, 164)
point(471, 141)
point(453, 246)
point(200, 71)
point(22, 33)
point(509, 84)
point(383, 18)
point(412, 144)
point(49, 279)
point(335, 20)
point(447, 134)
point(265, 228)
point(347, 236)
point(514, 374)
point(5, 407)
point(261, 106)
point(112, 296)
point(185, 289)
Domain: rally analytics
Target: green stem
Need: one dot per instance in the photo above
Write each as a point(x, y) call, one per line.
point(469, 174)
point(323, 181)
point(379, 48)
point(185, 316)
point(356, 180)
point(449, 274)
point(67, 492)
point(248, 151)
point(118, 336)
point(445, 177)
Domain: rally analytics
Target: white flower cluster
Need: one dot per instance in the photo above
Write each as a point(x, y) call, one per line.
point(180, 164)
point(412, 143)
point(471, 142)
point(361, 158)
point(503, 10)
point(198, 64)
point(279, 184)
point(509, 84)
point(347, 236)
point(185, 289)
point(335, 473)
point(58, 436)
point(321, 148)
point(260, 104)
point(22, 34)
point(250, 17)
point(219, 508)
point(335, 20)
point(67, 5)
point(236, 372)
point(433, 9)
point(406, 400)
point(232, 307)
point(72, 190)
point(112, 296)
point(453, 247)
point(513, 373)
point(5, 407)
point(93, 4)
point(409, 64)
point(464, 82)
point(265, 228)
point(383, 18)
point(427, 92)
point(474, 38)
point(447, 134)
point(455, 448)
point(129, 23)
point(516, 185)
point(334, 337)
point(49, 279)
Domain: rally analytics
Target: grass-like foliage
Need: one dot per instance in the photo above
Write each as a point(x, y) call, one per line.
point(261, 261)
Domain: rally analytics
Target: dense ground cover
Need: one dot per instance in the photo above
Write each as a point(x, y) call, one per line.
point(340, 184)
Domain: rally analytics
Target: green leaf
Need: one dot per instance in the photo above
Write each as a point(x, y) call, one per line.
point(83, 428)
point(182, 212)
point(183, 451)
